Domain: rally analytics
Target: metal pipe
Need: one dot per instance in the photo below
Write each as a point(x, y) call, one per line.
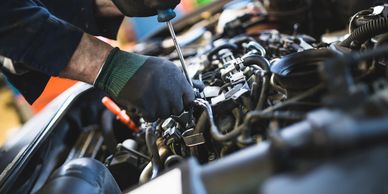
point(172, 160)
point(215, 132)
point(157, 164)
point(163, 151)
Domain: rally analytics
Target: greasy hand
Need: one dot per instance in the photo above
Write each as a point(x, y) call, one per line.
point(143, 8)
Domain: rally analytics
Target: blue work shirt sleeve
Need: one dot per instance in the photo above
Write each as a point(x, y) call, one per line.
point(30, 84)
point(82, 13)
point(43, 36)
point(31, 35)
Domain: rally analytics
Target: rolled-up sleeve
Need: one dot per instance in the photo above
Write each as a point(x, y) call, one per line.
point(31, 35)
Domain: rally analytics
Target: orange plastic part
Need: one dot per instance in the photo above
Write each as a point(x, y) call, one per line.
point(54, 88)
point(121, 115)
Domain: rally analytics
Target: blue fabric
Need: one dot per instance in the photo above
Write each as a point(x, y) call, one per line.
point(43, 35)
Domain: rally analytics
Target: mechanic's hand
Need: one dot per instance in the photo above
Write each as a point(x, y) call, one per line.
point(143, 8)
point(155, 87)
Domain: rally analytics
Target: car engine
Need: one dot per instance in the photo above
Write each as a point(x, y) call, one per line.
point(275, 97)
point(252, 84)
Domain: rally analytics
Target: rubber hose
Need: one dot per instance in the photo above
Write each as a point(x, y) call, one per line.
point(264, 64)
point(257, 60)
point(107, 130)
point(214, 51)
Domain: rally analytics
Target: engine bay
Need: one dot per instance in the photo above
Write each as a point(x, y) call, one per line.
point(268, 101)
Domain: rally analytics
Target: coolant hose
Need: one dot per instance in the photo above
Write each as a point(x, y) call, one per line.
point(367, 31)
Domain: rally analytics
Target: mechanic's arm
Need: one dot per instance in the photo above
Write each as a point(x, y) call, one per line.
point(155, 87)
point(87, 60)
point(28, 29)
point(29, 34)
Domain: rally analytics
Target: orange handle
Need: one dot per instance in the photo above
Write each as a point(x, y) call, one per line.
point(120, 114)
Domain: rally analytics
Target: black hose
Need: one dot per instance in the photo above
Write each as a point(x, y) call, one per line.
point(264, 64)
point(252, 116)
point(367, 31)
point(214, 131)
point(214, 51)
point(255, 91)
point(263, 93)
point(257, 60)
point(157, 165)
point(107, 130)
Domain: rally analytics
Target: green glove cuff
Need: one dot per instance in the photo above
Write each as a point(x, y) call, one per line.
point(118, 68)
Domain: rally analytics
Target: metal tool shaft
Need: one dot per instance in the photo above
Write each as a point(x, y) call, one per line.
point(179, 52)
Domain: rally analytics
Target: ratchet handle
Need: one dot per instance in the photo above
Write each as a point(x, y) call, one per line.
point(166, 15)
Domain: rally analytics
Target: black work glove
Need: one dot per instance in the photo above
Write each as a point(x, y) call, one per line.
point(155, 87)
point(143, 8)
